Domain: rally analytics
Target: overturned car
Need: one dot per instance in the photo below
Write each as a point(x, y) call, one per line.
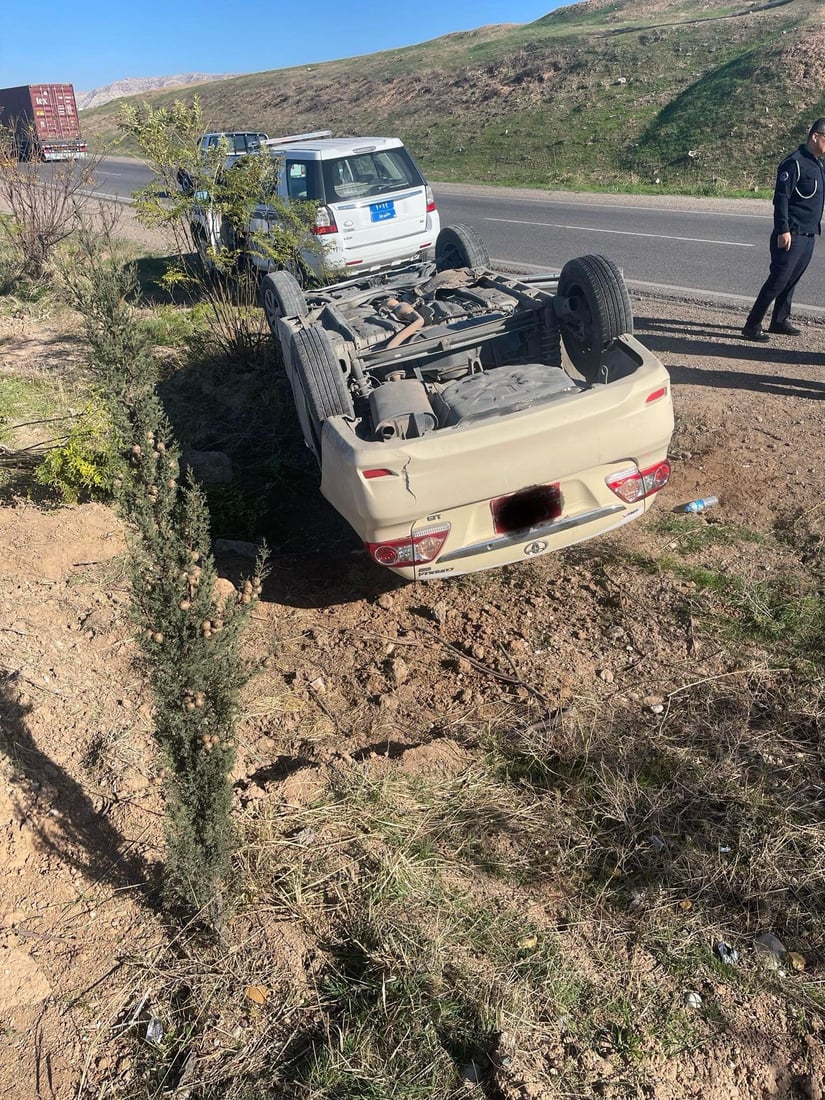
point(463, 418)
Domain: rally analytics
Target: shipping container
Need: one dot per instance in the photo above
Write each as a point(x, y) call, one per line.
point(43, 119)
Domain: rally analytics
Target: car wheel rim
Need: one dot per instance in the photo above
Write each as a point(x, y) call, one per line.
point(271, 310)
point(452, 258)
point(579, 325)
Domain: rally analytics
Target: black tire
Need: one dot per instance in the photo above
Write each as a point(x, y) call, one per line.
point(460, 246)
point(281, 297)
point(319, 383)
point(597, 311)
point(186, 181)
point(202, 248)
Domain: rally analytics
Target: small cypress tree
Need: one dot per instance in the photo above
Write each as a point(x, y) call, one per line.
point(190, 639)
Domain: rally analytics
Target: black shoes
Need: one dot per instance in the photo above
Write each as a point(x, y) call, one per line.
point(755, 332)
point(781, 328)
point(785, 328)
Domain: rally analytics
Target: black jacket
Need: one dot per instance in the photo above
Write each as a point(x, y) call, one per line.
point(799, 193)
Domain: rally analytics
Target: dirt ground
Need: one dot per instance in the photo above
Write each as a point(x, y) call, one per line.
point(81, 815)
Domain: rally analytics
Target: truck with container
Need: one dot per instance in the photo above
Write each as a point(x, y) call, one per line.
point(42, 121)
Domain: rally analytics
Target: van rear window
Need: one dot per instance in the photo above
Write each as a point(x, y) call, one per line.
point(367, 174)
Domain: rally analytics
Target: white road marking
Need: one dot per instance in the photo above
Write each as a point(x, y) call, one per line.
point(618, 232)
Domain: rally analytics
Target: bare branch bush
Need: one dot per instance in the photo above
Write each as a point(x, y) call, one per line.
point(204, 201)
point(44, 204)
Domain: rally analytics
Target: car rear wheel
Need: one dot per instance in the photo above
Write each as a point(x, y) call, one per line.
point(202, 249)
point(460, 246)
point(318, 384)
point(597, 310)
point(281, 297)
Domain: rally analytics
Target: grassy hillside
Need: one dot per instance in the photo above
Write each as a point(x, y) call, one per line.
point(670, 94)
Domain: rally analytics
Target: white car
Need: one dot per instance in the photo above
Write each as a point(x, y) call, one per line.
point(375, 209)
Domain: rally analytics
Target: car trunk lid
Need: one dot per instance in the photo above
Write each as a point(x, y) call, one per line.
point(381, 218)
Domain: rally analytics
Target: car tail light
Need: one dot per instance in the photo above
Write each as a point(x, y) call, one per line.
point(377, 471)
point(324, 222)
point(430, 199)
point(417, 549)
point(632, 485)
point(656, 395)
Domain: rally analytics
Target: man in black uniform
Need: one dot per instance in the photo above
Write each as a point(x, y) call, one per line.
point(797, 216)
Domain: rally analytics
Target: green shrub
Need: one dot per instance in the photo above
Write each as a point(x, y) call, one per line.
point(86, 466)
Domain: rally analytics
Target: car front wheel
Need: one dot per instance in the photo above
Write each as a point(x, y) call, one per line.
point(202, 249)
point(460, 246)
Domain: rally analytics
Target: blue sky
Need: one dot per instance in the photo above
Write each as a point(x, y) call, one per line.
point(90, 43)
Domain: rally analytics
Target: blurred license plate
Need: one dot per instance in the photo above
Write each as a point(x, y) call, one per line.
point(529, 508)
point(382, 211)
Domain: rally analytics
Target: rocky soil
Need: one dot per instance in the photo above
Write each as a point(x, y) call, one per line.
point(348, 666)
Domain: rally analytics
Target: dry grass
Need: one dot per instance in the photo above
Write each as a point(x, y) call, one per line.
point(519, 910)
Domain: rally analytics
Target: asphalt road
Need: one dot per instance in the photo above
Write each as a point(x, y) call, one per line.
point(715, 247)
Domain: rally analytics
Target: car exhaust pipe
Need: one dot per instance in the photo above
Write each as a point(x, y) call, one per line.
point(412, 319)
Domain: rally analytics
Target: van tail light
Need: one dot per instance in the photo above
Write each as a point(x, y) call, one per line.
point(634, 484)
point(324, 222)
point(417, 549)
point(430, 200)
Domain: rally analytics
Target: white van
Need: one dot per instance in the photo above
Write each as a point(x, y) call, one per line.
point(375, 209)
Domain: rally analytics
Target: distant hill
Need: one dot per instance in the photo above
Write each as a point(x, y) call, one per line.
point(699, 95)
point(137, 85)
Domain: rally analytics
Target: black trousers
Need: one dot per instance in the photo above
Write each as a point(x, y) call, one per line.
point(787, 268)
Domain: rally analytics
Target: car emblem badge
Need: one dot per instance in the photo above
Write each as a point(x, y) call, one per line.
point(533, 548)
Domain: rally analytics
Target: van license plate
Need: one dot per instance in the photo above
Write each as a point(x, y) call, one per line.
point(382, 211)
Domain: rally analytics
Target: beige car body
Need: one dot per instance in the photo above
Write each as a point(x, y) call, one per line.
point(453, 475)
point(566, 447)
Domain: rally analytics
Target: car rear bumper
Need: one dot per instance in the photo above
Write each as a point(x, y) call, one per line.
point(350, 257)
point(535, 542)
point(452, 476)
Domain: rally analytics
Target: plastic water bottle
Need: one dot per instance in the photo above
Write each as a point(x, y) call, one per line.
point(701, 504)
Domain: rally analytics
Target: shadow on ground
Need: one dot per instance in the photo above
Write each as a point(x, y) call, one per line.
point(78, 832)
point(693, 340)
point(245, 411)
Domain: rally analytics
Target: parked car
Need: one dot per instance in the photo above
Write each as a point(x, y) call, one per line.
point(374, 209)
point(235, 141)
point(464, 419)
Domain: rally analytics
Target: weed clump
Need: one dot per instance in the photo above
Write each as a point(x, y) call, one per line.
point(85, 465)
